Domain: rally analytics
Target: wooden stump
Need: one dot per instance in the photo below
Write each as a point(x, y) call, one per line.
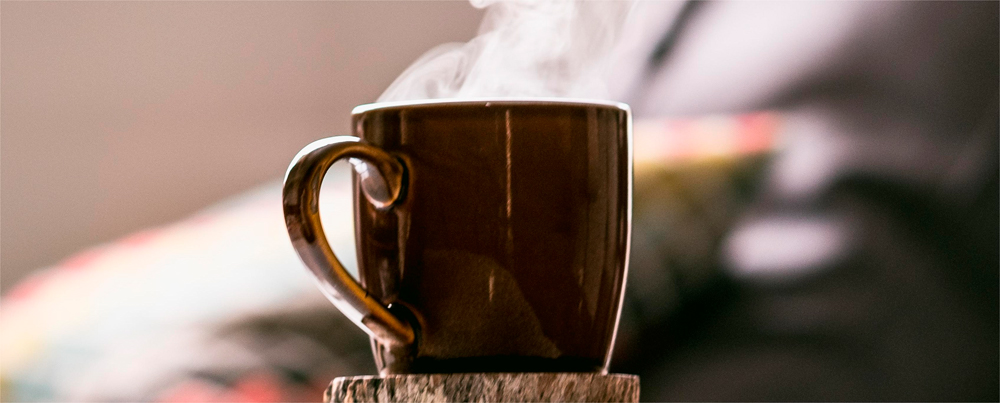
point(485, 387)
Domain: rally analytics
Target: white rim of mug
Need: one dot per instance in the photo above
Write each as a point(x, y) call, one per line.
point(487, 101)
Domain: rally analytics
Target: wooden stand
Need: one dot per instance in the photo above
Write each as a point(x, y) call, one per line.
point(489, 387)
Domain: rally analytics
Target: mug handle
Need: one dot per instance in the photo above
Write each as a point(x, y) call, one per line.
point(383, 187)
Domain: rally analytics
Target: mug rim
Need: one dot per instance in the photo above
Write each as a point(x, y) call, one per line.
point(486, 102)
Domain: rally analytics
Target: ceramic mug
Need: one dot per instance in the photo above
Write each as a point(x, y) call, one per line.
point(492, 235)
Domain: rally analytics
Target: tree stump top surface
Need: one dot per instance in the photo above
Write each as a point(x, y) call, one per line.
point(485, 387)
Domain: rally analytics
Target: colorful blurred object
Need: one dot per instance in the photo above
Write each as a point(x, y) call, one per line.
point(672, 141)
point(216, 307)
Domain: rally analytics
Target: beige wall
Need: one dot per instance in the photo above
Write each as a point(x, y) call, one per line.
point(120, 115)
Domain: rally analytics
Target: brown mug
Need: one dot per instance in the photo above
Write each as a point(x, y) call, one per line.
point(492, 235)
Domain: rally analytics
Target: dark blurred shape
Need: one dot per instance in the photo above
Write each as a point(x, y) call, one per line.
point(864, 263)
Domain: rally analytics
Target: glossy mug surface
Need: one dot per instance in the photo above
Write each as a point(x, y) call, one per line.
point(492, 235)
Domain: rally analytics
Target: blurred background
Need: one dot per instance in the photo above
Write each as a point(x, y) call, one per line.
point(118, 116)
point(815, 207)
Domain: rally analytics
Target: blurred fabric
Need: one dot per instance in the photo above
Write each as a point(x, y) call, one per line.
point(816, 218)
point(213, 308)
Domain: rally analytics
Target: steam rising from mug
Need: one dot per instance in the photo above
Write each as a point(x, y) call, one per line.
point(525, 48)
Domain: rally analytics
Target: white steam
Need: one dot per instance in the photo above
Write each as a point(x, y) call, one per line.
point(525, 48)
